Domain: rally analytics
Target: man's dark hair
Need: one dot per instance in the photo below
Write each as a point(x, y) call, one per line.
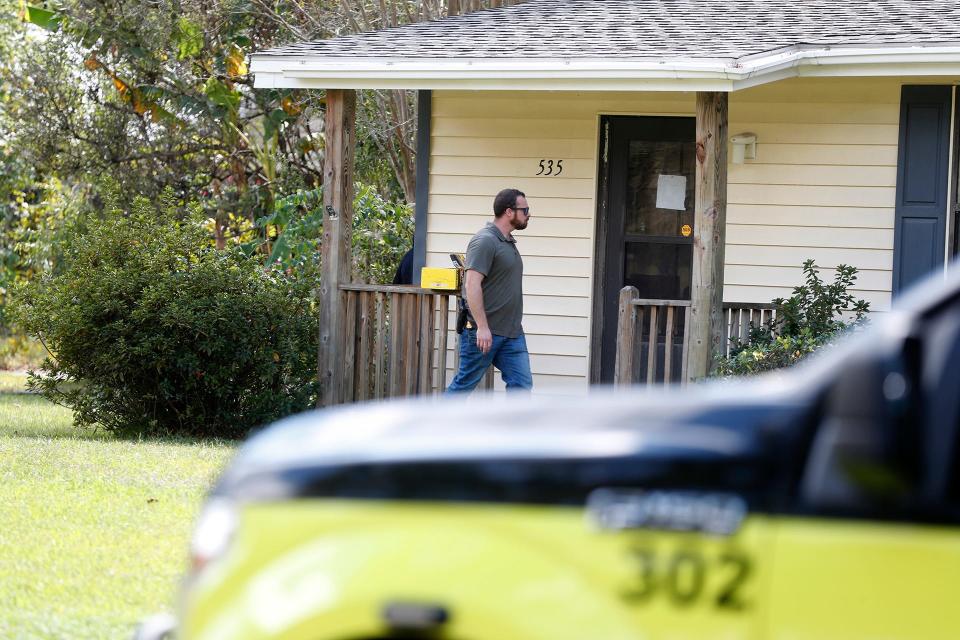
point(506, 199)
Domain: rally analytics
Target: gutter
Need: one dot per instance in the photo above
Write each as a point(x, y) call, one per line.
point(706, 74)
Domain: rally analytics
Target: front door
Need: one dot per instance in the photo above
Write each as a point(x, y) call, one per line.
point(644, 221)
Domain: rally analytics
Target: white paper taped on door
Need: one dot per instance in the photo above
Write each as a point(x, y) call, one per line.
point(671, 192)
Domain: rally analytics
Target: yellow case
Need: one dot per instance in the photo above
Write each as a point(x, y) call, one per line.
point(446, 279)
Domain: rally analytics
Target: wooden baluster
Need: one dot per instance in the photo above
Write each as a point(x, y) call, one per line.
point(425, 363)
point(639, 365)
point(379, 346)
point(668, 346)
point(411, 334)
point(442, 349)
point(652, 346)
point(365, 357)
point(729, 318)
point(349, 364)
point(396, 345)
point(686, 344)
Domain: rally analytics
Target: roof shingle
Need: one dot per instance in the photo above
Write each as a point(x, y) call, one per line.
point(650, 29)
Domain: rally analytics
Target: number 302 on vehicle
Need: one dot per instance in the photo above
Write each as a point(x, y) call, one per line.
point(686, 577)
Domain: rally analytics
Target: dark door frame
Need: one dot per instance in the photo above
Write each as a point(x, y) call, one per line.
point(608, 248)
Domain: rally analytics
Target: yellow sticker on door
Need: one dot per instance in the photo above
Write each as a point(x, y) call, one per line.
point(686, 230)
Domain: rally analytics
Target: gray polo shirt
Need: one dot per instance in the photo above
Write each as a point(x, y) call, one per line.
point(497, 258)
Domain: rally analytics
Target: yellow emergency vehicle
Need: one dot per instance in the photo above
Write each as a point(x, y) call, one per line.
point(820, 504)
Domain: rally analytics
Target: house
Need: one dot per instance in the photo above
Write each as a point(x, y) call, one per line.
point(699, 150)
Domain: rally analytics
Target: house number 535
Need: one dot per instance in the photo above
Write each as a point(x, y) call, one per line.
point(550, 168)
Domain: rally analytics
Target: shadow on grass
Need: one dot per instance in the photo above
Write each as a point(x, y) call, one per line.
point(26, 415)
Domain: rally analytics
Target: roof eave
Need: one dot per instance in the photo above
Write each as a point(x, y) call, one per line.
point(586, 74)
point(499, 74)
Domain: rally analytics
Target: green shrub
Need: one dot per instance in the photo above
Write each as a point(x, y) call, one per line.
point(154, 332)
point(814, 316)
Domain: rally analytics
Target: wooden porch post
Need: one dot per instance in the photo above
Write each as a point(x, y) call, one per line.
point(335, 247)
point(709, 238)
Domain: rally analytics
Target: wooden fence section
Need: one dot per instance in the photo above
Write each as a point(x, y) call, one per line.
point(395, 341)
point(652, 336)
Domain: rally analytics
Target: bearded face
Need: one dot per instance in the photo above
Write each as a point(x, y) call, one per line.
point(521, 214)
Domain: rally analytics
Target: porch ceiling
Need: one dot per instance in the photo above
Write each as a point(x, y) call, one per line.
point(694, 45)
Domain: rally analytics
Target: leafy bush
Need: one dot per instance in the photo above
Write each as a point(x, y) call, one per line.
point(382, 233)
point(152, 331)
point(812, 317)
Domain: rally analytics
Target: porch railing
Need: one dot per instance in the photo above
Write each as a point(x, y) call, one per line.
point(395, 341)
point(652, 336)
point(741, 316)
point(398, 341)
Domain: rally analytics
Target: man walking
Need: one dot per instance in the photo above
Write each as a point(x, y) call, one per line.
point(494, 291)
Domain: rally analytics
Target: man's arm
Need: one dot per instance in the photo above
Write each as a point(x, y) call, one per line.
point(474, 287)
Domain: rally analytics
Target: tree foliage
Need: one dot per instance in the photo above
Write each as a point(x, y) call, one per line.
point(157, 97)
point(382, 232)
point(158, 94)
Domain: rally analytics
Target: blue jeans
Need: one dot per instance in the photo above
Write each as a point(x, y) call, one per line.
point(507, 354)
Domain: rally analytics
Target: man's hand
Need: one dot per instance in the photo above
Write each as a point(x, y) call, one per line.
point(484, 339)
point(474, 291)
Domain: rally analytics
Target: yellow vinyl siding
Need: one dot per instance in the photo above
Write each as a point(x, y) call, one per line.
point(836, 155)
point(735, 274)
point(877, 299)
point(491, 166)
point(537, 265)
point(806, 236)
point(816, 195)
point(553, 207)
point(528, 245)
point(551, 227)
point(822, 186)
point(484, 142)
point(811, 216)
point(562, 187)
point(806, 175)
point(498, 146)
point(758, 256)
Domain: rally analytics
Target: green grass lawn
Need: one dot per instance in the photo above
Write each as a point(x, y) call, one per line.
point(93, 529)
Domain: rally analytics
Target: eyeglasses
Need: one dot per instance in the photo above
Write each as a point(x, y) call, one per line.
point(525, 210)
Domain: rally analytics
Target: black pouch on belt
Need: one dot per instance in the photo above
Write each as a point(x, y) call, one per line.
point(461, 315)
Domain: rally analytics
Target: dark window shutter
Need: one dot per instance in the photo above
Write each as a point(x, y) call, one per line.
point(922, 161)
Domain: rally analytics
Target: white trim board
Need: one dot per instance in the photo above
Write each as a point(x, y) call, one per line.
point(303, 71)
